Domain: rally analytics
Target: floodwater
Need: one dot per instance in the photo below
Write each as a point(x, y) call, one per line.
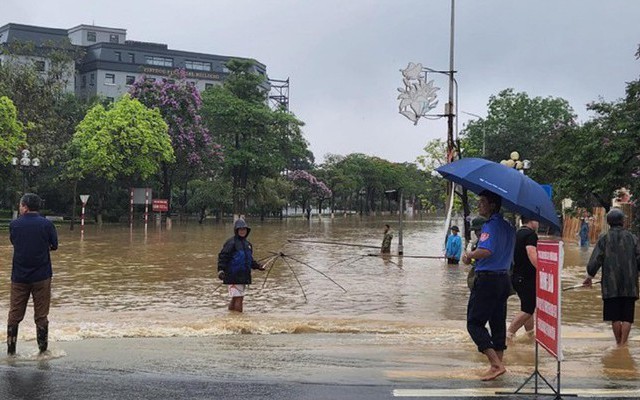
point(400, 320)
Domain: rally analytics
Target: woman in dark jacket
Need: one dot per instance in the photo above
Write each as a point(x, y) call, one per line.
point(235, 263)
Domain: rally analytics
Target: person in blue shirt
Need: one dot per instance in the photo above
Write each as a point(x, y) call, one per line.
point(33, 237)
point(490, 291)
point(454, 246)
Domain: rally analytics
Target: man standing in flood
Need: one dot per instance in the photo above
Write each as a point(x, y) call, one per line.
point(33, 237)
point(618, 254)
point(491, 287)
point(235, 262)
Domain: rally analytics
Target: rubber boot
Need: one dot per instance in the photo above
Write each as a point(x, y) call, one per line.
point(12, 339)
point(43, 338)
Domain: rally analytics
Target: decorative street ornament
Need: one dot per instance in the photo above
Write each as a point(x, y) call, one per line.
point(418, 96)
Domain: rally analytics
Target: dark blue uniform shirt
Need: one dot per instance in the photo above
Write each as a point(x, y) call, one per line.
point(32, 236)
point(499, 237)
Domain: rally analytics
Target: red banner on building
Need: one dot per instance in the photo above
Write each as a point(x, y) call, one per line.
point(548, 296)
point(160, 205)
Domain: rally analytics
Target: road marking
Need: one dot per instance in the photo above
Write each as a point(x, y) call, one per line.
point(491, 392)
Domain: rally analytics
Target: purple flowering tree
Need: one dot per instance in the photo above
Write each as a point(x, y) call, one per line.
point(309, 187)
point(179, 103)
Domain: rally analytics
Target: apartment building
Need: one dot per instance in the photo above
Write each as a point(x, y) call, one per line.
point(111, 63)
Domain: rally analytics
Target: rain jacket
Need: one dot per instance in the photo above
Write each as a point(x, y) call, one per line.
point(454, 246)
point(236, 257)
point(618, 254)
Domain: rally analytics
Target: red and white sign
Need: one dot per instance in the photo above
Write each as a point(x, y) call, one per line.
point(548, 296)
point(160, 205)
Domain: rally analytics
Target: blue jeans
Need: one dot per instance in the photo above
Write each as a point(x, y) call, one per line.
point(488, 303)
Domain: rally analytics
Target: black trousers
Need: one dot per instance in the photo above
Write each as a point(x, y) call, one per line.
point(488, 304)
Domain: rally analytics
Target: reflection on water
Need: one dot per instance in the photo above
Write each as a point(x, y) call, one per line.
point(117, 283)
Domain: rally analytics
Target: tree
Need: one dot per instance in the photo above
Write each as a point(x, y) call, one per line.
point(126, 141)
point(179, 103)
point(11, 133)
point(45, 107)
point(213, 195)
point(270, 196)
point(308, 187)
point(517, 122)
point(601, 156)
point(257, 142)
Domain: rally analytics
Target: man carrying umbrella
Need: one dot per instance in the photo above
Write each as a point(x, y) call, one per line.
point(488, 299)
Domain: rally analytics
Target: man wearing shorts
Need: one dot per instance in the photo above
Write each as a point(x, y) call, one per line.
point(618, 254)
point(235, 263)
point(523, 279)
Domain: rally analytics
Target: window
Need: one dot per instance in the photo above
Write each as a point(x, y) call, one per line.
point(110, 79)
point(130, 79)
point(132, 58)
point(225, 69)
point(114, 38)
point(92, 80)
point(91, 36)
point(197, 65)
point(208, 86)
point(39, 66)
point(159, 61)
point(150, 80)
point(110, 99)
point(83, 82)
point(118, 55)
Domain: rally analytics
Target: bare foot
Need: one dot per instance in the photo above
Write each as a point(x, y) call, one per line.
point(493, 373)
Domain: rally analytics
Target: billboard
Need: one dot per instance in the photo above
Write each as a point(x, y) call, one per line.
point(548, 296)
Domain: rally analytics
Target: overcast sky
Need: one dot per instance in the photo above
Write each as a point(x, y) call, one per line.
point(343, 57)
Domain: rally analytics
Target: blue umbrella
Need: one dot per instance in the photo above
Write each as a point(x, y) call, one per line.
point(519, 193)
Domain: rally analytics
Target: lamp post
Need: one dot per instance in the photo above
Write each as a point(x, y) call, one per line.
point(515, 162)
point(25, 164)
point(484, 141)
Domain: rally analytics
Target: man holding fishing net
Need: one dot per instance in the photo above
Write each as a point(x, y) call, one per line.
point(235, 263)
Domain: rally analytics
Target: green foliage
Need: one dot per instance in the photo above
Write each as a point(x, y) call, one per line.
point(11, 134)
point(271, 195)
point(517, 122)
point(602, 155)
point(127, 140)
point(257, 142)
point(212, 194)
point(47, 111)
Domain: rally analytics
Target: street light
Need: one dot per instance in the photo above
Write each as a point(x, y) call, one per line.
point(514, 162)
point(484, 141)
point(25, 164)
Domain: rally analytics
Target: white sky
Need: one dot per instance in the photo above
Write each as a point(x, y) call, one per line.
point(343, 57)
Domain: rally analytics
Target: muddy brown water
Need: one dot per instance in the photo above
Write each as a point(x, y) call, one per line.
point(402, 318)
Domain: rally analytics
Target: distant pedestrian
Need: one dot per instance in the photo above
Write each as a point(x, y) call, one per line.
point(523, 278)
point(488, 298)
point(386, 240)
point(618, 254)
point(235, 263)
point(476, 228)
point(33, 237)
point(453, 249)
point(584, 231)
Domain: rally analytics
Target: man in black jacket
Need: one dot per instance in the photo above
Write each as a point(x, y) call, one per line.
point(235, 263)
point(618, 254)
point(33, 237)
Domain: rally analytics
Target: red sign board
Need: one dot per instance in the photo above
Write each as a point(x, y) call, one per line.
point(548, 299)
point(160, 205)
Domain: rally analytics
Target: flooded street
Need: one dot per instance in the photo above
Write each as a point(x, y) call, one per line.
point(152, 303)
